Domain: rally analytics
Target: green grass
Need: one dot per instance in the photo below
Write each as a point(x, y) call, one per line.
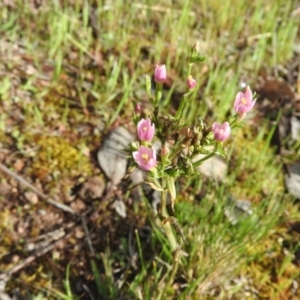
point(71, 72)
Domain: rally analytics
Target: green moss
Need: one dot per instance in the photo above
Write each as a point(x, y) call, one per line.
point(254, 173)
point(58, 158)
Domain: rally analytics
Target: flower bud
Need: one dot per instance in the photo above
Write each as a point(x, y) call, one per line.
point(191, 82)
point(145, 130)
point(164, 150)
point(196, 47)
point(160, 73)
point(138, 108)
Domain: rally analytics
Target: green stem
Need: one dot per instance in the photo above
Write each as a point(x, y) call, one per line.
point(158, 93)
point(190, 69)
point(171, 277)
point(200, 161)
point(175, 151)
point(171, 238)
point(148, 89)
point(185, 96)
point(175, 267)
point(181, 107)
point(167, 225)
point(176, 258)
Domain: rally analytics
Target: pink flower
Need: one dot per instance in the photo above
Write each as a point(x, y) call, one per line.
point(221, 131)
point(191, 82)
point(160, 73)
point(145, 158)
point(145, 130)
point(244, 101)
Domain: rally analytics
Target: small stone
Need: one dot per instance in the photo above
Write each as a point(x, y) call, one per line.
point(120, 208)
point(30, 247)
point(237, 210)
point(137, 176)
point(55, 255)
point(19, 165)
point(20, 229)
point(292, 180)
point(79, 233)
point(295, 128)
point(78, 205)
point(15, 258)
point(31, 197)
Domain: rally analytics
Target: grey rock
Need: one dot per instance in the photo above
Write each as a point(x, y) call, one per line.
point(237, 209)
point(137, 176)
point(111, 157)
point(292, 180)
point(214, 168)
point(295, 128)
point(120, 208)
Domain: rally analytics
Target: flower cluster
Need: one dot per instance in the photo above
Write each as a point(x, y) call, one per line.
point(243, 103)
point(145, 156)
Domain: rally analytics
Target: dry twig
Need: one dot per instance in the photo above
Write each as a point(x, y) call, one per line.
point(39, 193)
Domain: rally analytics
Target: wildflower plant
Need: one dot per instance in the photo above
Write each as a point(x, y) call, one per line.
point(180, 143)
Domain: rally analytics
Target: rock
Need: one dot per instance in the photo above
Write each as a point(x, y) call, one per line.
point(111, 157)
point(137, 176)
point(120, 208)
point(31, 197)
point(4, 296)
point(295, 128)
point(156, 200)
point(214, 168)
point(237, 209)
point(292, 180)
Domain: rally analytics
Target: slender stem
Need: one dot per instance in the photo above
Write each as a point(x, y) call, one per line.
point(182, 104)
point(176, 258)
point(167, 225)
point(185, 96)
point(181, 107)
point(200, 161)
point(175, 267)
point(190, 69)
point(176, 151)
point(148, 88)
point(158, 93)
